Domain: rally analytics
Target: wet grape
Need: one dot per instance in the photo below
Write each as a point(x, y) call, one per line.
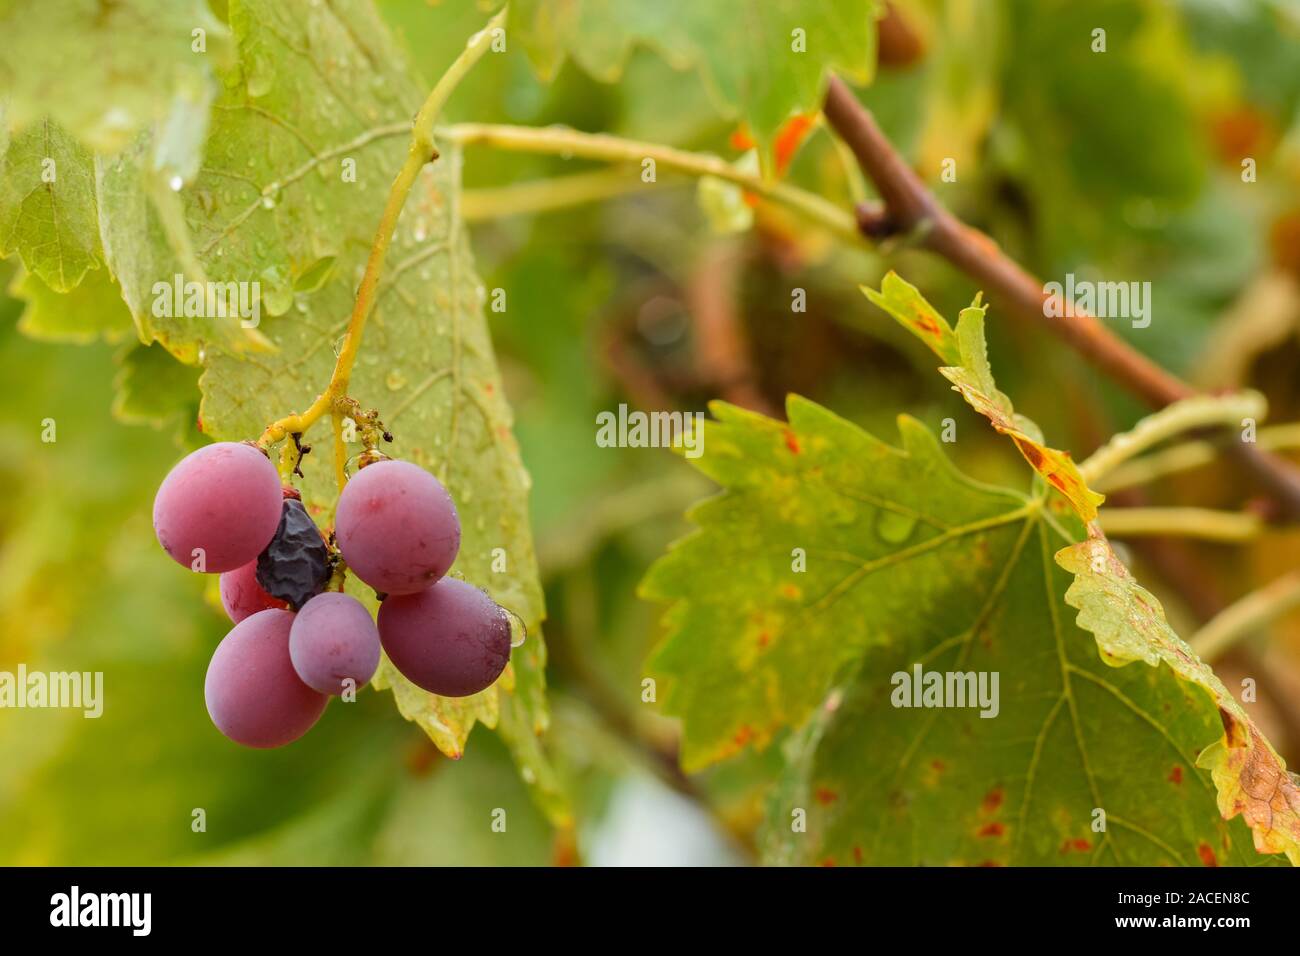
point(397, 527)
point(333, 639)
point(253, 694)
point(450, 639)
point(218, 508)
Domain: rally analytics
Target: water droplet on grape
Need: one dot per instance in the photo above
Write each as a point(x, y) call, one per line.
point(518, 629)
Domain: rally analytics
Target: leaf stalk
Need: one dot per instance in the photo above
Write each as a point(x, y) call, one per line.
point(420, 152)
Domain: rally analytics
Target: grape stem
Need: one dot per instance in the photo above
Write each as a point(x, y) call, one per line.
point(561, 141)
point(1188, 455)
point(1247, 616)
point(1206, 524)
point(545, 195)
point(420, 152)
point(908, 208)
point(1185, 415)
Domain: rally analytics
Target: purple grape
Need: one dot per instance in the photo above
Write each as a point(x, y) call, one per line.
point(396, 527)
point(451, 638)
point(333, 639)
point(222, 501)
point(253, 694)
point(241, 595)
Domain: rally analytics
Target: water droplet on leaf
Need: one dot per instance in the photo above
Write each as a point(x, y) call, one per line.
point(893, 527)
point(276, 289)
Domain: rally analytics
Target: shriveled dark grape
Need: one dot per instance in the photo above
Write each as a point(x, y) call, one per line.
point(295, 566)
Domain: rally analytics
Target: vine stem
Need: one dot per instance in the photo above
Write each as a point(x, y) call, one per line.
point(544, 195)
point(1205, 523)
point(1247, 616)
point(1188, 455)
point(908, 208)
point(1186, 415)
point(561, 141)
point(420, 152)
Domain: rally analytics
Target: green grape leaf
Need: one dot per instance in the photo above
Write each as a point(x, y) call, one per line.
point(1083, 161)
point(47, 205)
point(791, 503)
point(834, 566)
point(760, 62)
point(312, 124)
point(966, 355)
point(447, 720)
point(152, 388)
point(109, 70)
point(93, 310)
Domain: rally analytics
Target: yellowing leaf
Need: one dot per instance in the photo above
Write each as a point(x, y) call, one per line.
point(901, 300)
point(1252, 780)
point(965, 353)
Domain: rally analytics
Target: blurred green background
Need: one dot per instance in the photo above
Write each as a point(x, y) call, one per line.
point(1129, 167)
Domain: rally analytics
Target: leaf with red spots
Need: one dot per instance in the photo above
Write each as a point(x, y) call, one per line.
point(1251, 778)
point(901, 300)
point(788, 139)
point(817, 580)
point(967, 367)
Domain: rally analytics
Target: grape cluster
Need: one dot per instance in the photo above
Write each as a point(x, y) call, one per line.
point(295, 644)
